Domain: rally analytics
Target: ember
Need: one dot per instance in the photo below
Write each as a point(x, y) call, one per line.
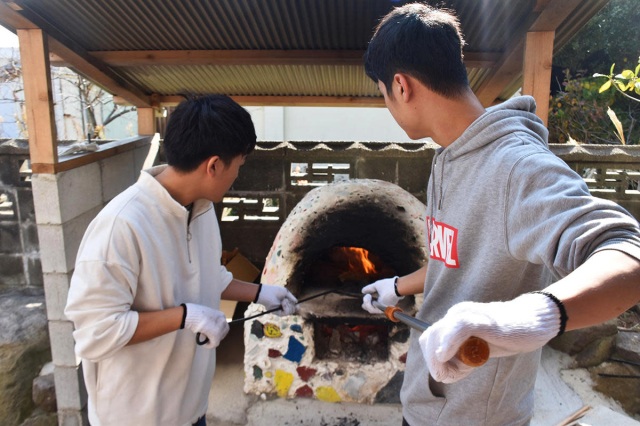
point(360, 343)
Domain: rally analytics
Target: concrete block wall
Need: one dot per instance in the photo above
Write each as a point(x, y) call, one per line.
point(19, 246)
point(65, 204)
point(267, 175)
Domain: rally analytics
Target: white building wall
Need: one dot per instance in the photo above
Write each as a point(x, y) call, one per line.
point(326, 124)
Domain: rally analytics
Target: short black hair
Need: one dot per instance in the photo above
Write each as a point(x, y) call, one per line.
point(423, 42)
point(204, 126)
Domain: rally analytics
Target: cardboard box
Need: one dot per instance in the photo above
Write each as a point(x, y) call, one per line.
point(242, 269)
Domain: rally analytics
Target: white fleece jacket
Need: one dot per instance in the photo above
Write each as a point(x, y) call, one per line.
point(505, 217)
point(142, 254)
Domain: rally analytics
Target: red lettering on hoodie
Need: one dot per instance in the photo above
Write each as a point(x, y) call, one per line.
point(443, 243)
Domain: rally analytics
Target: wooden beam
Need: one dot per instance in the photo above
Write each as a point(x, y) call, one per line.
point(553, 13)
point(9, 18)
point(106, 150)
point(230, 57)
point(546, 15)
point(507, 70)
point(146, 121)
point(251, 57)
point(538, 60)
point(324, 101)
point(36, 77)
point(76, 57)
point(99, 74)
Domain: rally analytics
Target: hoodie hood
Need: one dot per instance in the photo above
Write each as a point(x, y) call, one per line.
point(500, 121)
point(513, 119)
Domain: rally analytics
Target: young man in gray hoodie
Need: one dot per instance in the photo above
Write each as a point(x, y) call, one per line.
point(519, 250)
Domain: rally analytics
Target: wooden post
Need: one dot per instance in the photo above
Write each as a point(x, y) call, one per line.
point(538, 58)
point(36, 75)
point(146, 121)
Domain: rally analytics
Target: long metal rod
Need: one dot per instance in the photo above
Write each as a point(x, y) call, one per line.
point(404, 318)
point(473, 352)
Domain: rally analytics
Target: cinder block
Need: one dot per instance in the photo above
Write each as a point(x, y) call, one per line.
point(56, 290)
point(413, 173)
point(10, 170)
point(30, 236)
point(59, 244)
point(73, 233)
point(25, 202)
point(52, 254)
point(71, 394)
point(262, 173)
point(45, 196)
point(64, 196)
point(10, 237)
point(62, 343)
point(72, 418)
point(12, 269)
point(34, 272)
point(80, 191)
point(377, 168)
point(117, 174)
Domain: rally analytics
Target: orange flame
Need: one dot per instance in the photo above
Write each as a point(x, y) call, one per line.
point(358, 260)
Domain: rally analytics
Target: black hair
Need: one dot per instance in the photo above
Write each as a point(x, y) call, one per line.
point(423, 42)
point(204, 126)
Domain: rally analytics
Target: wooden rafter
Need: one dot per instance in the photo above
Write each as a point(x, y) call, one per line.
point(547, 16)
point(251, 57)
point(74, 55)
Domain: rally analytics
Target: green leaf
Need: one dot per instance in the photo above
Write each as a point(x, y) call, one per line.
point(627, 74)
point(620, 85)
point(611, 70)
point(605, 86)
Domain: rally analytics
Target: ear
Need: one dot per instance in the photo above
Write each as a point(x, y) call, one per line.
point(403, 86)
point(213, 166)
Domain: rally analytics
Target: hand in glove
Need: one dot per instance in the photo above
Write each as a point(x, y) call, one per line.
point(207, 321)
point(387, 295)
point(273, 296)
point(523, 324)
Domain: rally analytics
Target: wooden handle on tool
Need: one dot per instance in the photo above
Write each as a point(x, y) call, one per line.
point(474, 352)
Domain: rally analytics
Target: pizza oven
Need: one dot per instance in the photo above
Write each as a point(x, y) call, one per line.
point(339, 238)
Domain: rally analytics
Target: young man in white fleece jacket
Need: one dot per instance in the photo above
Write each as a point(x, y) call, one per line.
point(519, 249)
point(148, 276)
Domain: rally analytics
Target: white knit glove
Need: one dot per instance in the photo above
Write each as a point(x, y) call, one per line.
point(523, 324)
point(209, 322)
point(386, 290)
point(273, 296)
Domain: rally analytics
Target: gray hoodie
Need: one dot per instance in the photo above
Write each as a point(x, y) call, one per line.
point(505, 217)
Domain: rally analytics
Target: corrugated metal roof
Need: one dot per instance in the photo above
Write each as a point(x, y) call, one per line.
point(96, 27)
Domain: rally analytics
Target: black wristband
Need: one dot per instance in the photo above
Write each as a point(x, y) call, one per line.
point(560, 305)
point(395, 287)
point(258, 293)
point(184, 315)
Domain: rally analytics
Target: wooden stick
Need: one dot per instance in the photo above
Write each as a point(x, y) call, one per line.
point(575, 416)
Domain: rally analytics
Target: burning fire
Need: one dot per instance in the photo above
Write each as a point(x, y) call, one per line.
point(358, 260)
point(356, 264)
